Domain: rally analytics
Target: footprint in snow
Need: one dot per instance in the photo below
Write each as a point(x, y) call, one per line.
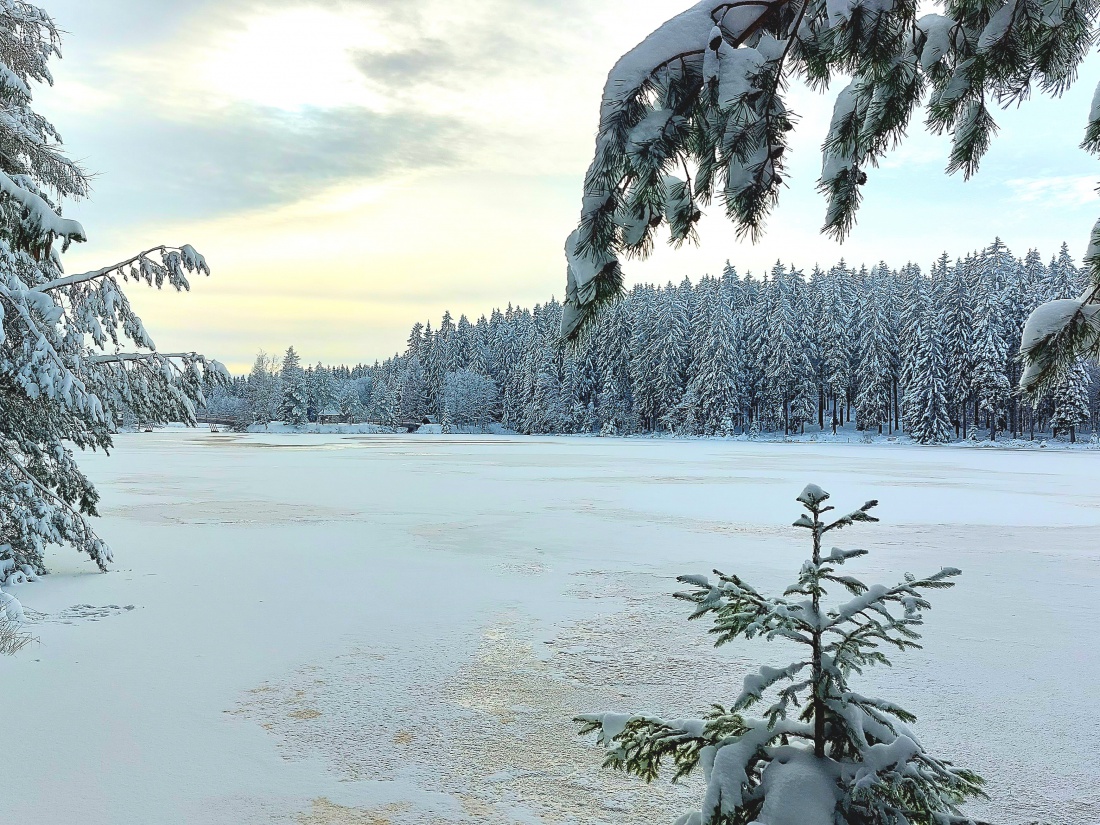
point(76, 613)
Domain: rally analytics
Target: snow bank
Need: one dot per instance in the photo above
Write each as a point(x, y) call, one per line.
point(10, 608)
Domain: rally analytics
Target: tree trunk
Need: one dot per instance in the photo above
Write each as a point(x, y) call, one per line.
point(818, 670)
point(897, 408)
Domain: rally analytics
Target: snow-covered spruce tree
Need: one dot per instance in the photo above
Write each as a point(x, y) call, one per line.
point(926, 407)
point(1070, 397)
point(64, 377)
point(264, 389)
point(989, 379)
point(294, 407)
point(874, 374)
point(696, 111)
point(821, 753)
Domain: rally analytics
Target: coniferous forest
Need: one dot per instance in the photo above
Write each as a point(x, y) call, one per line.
point(931, 354)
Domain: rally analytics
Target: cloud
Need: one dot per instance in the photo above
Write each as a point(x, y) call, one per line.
point(213, 108)
point(1060, 190)
point(245, 157)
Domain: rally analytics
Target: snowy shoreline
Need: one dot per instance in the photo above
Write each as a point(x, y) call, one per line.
point(848, 436)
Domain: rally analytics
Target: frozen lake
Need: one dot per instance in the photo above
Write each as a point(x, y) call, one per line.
point(390, 630)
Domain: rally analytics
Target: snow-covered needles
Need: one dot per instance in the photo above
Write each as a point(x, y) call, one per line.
point(821, 753)
point(1060, 333)
point(701, 100)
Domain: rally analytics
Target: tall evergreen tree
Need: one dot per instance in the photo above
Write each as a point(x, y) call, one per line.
point(958, 344)
point(65, 381)
point(990, 357)
point(875, 373)
point(1070, 400)
point(295, 404)
point(788, 373)
point(926, 406)
point(717, 383)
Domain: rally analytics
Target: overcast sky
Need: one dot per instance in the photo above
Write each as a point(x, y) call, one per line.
point(351, 166)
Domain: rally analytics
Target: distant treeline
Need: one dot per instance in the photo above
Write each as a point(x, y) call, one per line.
point(930, 354)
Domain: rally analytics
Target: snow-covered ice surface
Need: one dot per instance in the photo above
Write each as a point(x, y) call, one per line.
point(392, 629)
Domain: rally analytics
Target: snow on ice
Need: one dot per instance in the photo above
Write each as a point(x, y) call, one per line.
point(402, 627)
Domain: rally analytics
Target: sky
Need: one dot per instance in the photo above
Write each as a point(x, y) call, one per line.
point(349, 167)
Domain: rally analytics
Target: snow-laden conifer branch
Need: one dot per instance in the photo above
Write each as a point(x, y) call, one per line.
point(64, 524)
point(174, 265)
point(846, 758)
point(702, 96)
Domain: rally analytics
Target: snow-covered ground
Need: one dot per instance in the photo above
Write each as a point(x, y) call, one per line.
point(398, 629)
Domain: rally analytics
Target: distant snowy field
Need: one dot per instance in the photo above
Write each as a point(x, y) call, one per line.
point(398, 629)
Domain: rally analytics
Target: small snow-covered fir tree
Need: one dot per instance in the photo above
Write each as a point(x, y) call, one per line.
point(65, 380)
point(820, 753)
point(13, 637)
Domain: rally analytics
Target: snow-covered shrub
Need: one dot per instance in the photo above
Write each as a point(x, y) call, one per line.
point(12, 636)
point(64, 380)
point(820, 753)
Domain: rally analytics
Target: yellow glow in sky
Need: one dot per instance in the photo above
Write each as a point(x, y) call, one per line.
point(301, 57)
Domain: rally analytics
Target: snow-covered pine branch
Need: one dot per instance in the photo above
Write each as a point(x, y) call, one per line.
point(175, 263)
point(822, 753)
point(64, 381)
point(696, 111)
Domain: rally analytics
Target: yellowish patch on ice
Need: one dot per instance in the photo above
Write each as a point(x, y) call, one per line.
point(327, 812)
